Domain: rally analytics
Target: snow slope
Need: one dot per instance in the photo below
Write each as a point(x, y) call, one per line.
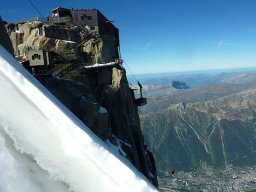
point(44, 147)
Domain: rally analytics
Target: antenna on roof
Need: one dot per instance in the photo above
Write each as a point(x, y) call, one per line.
point(37, 10)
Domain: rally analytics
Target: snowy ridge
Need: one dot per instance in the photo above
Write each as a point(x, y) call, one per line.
point(47, 147)
point(116, 145)
point(102, 110)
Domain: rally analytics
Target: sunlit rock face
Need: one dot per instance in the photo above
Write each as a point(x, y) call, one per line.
point(219, 132)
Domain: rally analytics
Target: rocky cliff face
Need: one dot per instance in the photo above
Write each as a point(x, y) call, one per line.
point(101, 98)
point(219, 132)
point(4, 39)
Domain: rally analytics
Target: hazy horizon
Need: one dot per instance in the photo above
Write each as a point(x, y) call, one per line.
point(211, 71)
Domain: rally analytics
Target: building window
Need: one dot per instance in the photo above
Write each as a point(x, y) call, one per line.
point(89, 17)
point(36, 56)
point(82, 17)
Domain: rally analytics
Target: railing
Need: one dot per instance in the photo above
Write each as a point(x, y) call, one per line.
point(59, 19)
point(42, 19)
point(103, 65)
point(63, 69)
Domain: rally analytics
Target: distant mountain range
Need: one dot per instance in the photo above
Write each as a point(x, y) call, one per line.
point(215, 124)
point(194, 79)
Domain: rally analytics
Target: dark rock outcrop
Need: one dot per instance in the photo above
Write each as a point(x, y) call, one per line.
point(4, 38)
point(109, 85)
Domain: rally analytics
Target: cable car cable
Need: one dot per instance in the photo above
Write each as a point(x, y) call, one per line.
point(130, 71)
point(37, 10)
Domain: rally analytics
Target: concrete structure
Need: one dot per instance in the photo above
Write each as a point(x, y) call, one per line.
point(92, 19)
point(38, 58)
point(60, 15)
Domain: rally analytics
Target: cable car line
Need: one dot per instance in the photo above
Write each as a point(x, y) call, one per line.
point(37, 10)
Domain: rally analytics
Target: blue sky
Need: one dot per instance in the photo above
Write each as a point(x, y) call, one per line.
point(169, 35)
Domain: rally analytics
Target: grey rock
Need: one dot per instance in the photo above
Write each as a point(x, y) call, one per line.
point(4, 38)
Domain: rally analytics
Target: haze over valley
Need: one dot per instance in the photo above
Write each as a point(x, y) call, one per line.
point(210, 126)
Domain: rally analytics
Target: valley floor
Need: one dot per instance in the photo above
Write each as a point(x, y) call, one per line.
point(231, 179)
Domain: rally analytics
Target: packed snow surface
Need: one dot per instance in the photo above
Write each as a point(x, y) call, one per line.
point(44, 147)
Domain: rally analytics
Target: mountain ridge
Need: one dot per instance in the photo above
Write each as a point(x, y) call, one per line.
point(203, 131)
